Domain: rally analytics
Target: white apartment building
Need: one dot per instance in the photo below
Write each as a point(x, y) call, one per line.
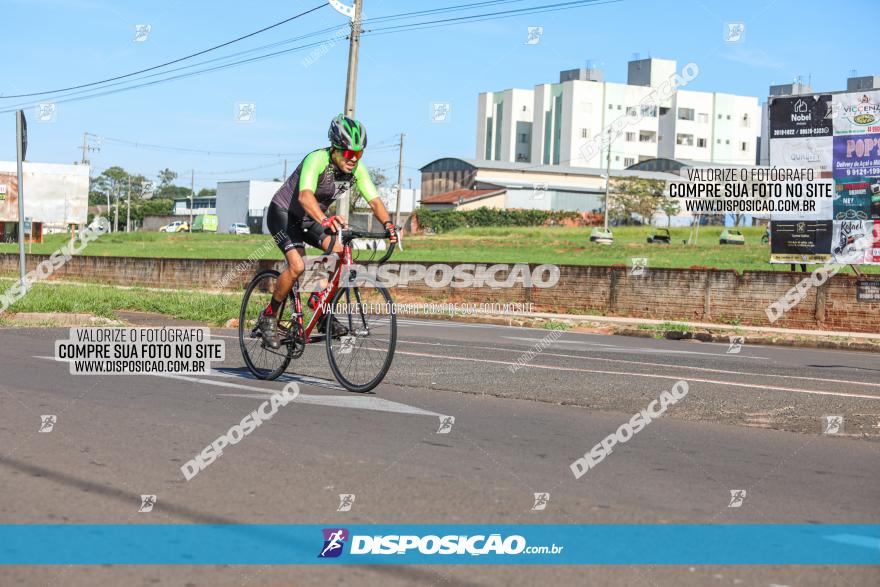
point(550, 124)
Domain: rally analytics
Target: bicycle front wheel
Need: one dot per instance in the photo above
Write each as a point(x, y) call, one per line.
point(361, 356)
point(263, 362)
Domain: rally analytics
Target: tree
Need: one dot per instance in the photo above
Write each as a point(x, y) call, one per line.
point(206, 193)
point(166, 177)
point(379, 178)
point(634, 196)
point(669, 207)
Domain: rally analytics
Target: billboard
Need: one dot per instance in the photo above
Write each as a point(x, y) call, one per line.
point(857, 113)
point(800, 117)
point(801, 241)
point(53, 194)
point(837, 135)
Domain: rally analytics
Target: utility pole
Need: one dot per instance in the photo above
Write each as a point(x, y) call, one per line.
point(85, 146)
point(399, 182)
point(116, 212)
point(128, 208)
point(21, 148)
point(354, 42)
point(192, 195)
point(607, 177)
point(284, 177)
point(353, 46)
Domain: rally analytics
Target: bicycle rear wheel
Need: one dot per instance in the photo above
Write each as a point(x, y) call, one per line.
point(262, 361)
point(361, 358)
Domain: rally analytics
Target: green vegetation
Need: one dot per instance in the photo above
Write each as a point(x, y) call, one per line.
point(102, 300)
point(553, 325)
point(448, 220)
point(665, 326)
point(558, 245)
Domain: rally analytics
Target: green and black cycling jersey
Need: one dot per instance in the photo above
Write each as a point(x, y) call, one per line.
point(318, 174)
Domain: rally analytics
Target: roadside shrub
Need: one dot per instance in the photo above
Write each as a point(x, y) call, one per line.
point(447, 220)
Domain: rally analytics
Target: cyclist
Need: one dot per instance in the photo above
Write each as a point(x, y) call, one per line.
point(298, 212)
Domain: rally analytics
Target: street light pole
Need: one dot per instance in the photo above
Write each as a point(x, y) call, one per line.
point(607, 177)
point(354, 42)
point(128, 208)
point(399, 182)
point(20, 146)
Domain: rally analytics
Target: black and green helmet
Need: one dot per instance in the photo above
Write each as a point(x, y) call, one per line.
point(347, 133)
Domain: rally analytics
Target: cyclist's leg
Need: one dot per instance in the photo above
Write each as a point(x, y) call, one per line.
point(289, 239)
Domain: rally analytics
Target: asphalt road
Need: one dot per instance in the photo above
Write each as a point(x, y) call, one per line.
point(751, 420)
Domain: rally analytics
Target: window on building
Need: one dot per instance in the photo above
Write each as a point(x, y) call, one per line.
point(523, 138)
point(611, 107)
point(631, 111)
point(650, 111)
point(718, 141)
point(685, 140)
point(585, 133)
point(647, 136)
point(728, 117)
point(743, 146)
point(685, 113)
point(701, 143)
point(627, 161)
point(702, 117)
point(727, 141)
point(619, 107)
point(745, 120)
point(719, 117)
point(617, 157)
point(631, 137)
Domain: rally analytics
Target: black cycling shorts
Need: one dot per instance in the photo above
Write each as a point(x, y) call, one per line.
point(292, 233)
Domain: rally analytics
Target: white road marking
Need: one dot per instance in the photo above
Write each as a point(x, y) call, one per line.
point(642, 349)
point(663, 365)
point(371, 403)
point(305, 379)
point(650, 376)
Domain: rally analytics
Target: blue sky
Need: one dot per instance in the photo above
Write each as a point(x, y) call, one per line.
point(49, 44)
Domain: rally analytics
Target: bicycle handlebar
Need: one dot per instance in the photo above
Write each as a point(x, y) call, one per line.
point(349, 234)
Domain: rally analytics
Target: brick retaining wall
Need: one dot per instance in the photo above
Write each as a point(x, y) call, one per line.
point(706, 295)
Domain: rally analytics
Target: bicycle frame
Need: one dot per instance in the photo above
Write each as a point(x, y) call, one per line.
point(323, 297)
point(327, 294)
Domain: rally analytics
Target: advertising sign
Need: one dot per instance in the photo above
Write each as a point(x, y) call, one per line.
point(814, 152)
point(800, 241)
point(857, 113)
point(853, 198)
point(872, 255)
point(857, 155)
point(848, 244)
point(800, 116)
point(868, 290)
point(9, 199)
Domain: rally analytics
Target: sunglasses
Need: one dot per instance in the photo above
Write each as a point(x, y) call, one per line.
point(350, 155)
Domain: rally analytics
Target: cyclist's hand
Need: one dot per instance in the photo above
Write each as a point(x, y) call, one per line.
point(333, 224)
point(392, 231)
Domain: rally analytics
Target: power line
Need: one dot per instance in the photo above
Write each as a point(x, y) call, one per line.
point(386, 30)
point(178, 60)
point(196, 151)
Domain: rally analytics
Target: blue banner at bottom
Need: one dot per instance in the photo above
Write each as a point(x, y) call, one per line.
point(427, 544)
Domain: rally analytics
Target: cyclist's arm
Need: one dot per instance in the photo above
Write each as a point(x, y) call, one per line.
point(313, 166)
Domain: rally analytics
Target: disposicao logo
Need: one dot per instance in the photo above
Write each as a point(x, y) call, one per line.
point(334, 541)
